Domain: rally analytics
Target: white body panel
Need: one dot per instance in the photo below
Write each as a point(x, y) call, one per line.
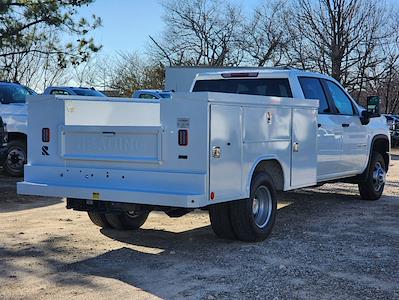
point(92, 156)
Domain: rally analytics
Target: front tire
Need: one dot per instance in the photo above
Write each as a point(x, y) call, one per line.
point(253, 218)
point(373, 186)
point(16, 158)
point(127, 220)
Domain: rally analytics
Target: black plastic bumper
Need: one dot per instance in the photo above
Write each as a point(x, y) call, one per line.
point(3, 154)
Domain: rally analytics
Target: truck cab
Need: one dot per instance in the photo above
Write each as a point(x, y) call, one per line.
point(345, 138)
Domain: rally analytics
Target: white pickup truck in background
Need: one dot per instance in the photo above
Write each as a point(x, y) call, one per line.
point(13, 111)
point(227, 146)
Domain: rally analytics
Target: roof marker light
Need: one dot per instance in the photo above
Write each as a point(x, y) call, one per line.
point(243, 74)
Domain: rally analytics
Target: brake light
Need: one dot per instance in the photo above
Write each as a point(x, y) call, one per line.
point(183, 137)
point(240, 74)
point(212, 196)
point(46, 135)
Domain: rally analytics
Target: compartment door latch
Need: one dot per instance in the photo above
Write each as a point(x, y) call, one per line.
point(295, 147)
point(216, 152)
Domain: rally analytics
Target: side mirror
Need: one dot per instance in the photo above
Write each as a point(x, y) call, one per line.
point(365, 117)
point(373, 106)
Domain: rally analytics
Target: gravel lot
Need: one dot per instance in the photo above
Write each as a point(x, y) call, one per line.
point(327, 243)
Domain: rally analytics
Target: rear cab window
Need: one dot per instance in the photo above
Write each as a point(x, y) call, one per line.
point(278, 87)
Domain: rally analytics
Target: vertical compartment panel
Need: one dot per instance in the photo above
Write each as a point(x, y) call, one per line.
point(304, 147)
point(226, 135)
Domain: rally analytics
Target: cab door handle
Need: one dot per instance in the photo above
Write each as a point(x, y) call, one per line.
point(345, 125)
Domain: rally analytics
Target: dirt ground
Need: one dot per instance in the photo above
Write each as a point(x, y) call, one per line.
point(327, 243)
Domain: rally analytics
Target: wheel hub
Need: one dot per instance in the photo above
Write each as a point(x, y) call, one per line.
point(15, 159)
point(262, 206)
point(379, 176)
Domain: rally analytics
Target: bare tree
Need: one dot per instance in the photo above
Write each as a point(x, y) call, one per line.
point(199, 32)
point(123, 74)
point(347, 39)
point(264, 38)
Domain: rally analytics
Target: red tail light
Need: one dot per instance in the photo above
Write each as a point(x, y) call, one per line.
point(46, 135)
point(183, 137)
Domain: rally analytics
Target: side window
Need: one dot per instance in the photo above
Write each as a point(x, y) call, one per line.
point(312, 89)
point(341, 100)
point(147, 96)
point(59, 92)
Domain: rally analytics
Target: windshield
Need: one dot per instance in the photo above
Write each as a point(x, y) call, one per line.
point(14, 93)
point(88, 92)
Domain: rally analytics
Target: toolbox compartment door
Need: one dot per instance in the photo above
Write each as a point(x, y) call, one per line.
point(225, 152)
point(304, 147)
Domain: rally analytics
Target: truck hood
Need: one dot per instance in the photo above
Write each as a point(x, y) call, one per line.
point(15, 116)
point(14, 109)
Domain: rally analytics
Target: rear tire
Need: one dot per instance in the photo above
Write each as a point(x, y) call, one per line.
point(16, 158)
point(219, 215)
point(126, 221)
point(373, 186)
point(98, 219)
point(253, 218)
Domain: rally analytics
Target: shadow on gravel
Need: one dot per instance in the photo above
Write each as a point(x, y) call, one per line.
point(322, 243)
point(15, 203)
point(10, 201)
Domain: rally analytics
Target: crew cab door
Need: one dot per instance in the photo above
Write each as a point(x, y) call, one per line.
point(329, 132)
point(354, 146)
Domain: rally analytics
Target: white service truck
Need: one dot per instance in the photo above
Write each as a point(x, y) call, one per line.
point(227, 147)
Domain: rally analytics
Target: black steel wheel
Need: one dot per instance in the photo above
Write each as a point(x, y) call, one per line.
point(16, 158)
point(373, 186)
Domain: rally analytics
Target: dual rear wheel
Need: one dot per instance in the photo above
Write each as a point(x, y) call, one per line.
point(251, 219)
point(121, 221)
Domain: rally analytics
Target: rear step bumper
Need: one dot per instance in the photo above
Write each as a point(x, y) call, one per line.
point(174, 189)
point(126, 196)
